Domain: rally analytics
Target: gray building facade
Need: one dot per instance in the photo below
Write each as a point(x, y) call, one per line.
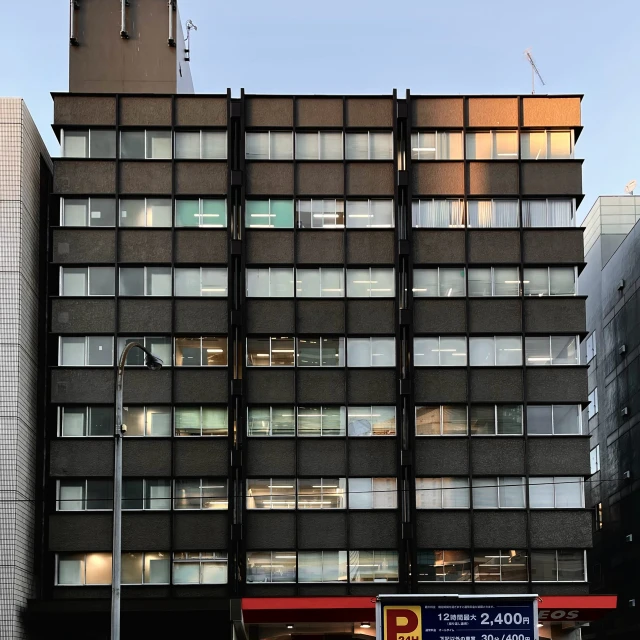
point(25, 174)
point(368, 311)
point(611, 279)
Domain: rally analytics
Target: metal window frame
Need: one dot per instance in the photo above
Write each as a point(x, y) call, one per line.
point(370, 270)
point(298, 225)
point(268, 133)
point(437, 133)
point(272, 557)
point(319, 134)
point(441, 489)
point(88, 144)
point(576, 339)
point(85, 491)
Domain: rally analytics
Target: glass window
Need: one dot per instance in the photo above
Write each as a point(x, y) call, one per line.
point(152, 144)
point(82, 281)
point(494, 281)
point(75, 144)
point(498, 351)
point(322, 493)
point(86, 421)
point(269, 145)
point(89, 351)
point(160, 347)
point(83, 569)
point(322, 566)
point(371, 421)
point(591, 346)
point(557, 566)
point(500, 565)
point(201, 421)
point(373, 493)
point(369, 146)
point(94, 143)
point(373, 566)
point(551, 350)
point(132, 144)
point(547, 145)
point(492, 145)
point(145, 281)
point(153, 421)
point(554, 419)
point(448, 282)
point(555, 281)
point(548, 213)
point(87, 494)
point(320, 214)
point(446, 565)
point(321, 145)
point(200, 281)
point(592, 409)
point(271, 421)
point(158, 144)
point(498, 493)
point(485, 214)
point(271, 566)
point(204, 567)
point(594, 459)
point(442, 214)
point(270, 214)
point(442, 493)
point(201, 352)
point(270, 352)
point(271, 493)
point(322, 421)
point(200, 493)
point(444, 351)
point(323, 282)
point(88, 212)
point(490, 420)
point(201, 212)
point(370, 214)
point(210, 145)
point(436, 145)
point(145, 212)
point(556, 493)
point(271, 282)
point(145, 568)
point(146, 494)
point(441, 420)
point(373, 282)
point(371, 352)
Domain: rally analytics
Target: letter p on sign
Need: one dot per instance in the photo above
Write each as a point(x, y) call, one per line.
point(402, 623)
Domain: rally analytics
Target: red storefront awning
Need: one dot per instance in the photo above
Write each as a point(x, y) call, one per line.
point(363, 609)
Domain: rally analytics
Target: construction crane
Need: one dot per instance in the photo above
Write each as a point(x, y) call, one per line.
point(534, 71)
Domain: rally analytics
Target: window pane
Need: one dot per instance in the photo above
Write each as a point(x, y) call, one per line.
point(564, 350)
point(359, 352)
point(188, 352)
point(133, 418)
point(513, 565)
point(156, 568)
point(479, 146)
point(429, 493)
point(423, 146)
point(187, 144)
point(333, 352)
point(450, 145)
point(357, 146)
point(73, 421)
point(541, 493)
point(383, 352)
point(358, 283)
point(486, 566)
point(534, 213)
point(100, 350)
point(159, 144)
point(101, 281)
point(131, 281)
point(539, 420)
point(508, 351)
point(569, 493)
point(560, 213)
point(455, 493)
point(99, 494)
point(281, 143)
point(428, 421)
point(257, 146)
point(426, 352)
point(76, 144)
point(480, 282)
point(444, 566)
point(158, 421)
point(71, 495)
point(360, 493)
point(103, 144)
point(543, 566)
point(214, 213)
point(258, 352)
point(534, 145)
point(133, 212)
point(71, 568)
point(560, 145)
point(187, 282)
point(187, 494)
point(536, 282)
point(281, 281)
point(132, 144)
point(482, 420)
point(566, 419)
point(453, 352)
point(158, 281)
point(425, 283)
point(485, 493)
point(187, 213)
point(308, 352)
point(101, 421)
point(74, 213)
point(214, 145)
point(282, 214)
point(454, 420)
point(509, 419)
point(373, 566)
point(186, 572)
point(214, 352)
point(330, 146)
point(98, 568)
point(158, 212)
point(102, 212)
point(214, 421)
point(187, 420)
point(562, 281)
point(381, 146)
point(506, 145)
point(381, 212)
point(570, 566)
point(308, 283)
point(512, 493)
point(506, 281)
point(72, 352)
point(74, 281)
point(307, 146)
point(538, 351)
point(452, 282)
point(482, 352)
point(257, 213)
point(133, 493)
point(382, 283)
point(358, 214)
point(332, 281)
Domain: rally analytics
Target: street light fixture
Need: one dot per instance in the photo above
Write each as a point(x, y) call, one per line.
point(154, 364)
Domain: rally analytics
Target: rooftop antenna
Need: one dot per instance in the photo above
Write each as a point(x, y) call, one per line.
point(534, 71)
point(187, 49)
point(630, 186)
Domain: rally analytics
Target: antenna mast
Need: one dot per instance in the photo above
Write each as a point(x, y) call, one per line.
point(187, 49)
point(534, 71)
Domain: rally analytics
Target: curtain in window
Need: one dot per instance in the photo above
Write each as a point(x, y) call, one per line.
point(505, 213)
point(560, 213)
point(449, 146)
point(534, 213)
point(480, 214)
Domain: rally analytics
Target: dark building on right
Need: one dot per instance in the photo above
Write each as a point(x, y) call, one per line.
point(611, 280)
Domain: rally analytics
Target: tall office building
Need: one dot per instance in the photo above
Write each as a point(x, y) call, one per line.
point(610, 279)
point(25, 174)
point(368, 315)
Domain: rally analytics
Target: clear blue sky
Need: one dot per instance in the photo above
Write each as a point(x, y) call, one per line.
point(373, 46)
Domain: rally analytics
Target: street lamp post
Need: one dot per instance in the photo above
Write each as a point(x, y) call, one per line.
point(153, 363)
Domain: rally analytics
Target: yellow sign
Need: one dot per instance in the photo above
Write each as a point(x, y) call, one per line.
point(402, 623)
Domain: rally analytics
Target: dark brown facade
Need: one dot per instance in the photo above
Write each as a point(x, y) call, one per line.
point(376, 173)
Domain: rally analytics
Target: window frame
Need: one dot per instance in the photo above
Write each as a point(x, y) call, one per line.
point(493, 202)
point(333, 294)
point(441, 555)
point(347, 215)
point(338, 214)
point(495, 350)
point(146, 215)
point(145, 500)
point(61, 339)
point(341, 497)
point(441, 492)
point(416, 293)
point(200, 131)
point(270, 354)
point(594, 459)
point(145, 281)
point(553, 421)
point(122, 340)
point(460, 211)
point(548, 294)
point(547, 201)
point(592, 407)
point(271, 421)
point(84, 555)
point(287, 554)
point(370, 282)
point(225, 351)
point(441, 410)
point(87, 420)
point(331, 434)
point(555, 481)
point(320, 340)
point(372, 492)
point(480, 553)
point(291, 498)
point(146, 422)
point(146, 131)
point(590, 347)
point(85, 493)
point(373, 408)
point(269, 270)
point(500, 488)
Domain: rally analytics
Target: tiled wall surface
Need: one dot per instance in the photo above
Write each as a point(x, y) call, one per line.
point(20, 151)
